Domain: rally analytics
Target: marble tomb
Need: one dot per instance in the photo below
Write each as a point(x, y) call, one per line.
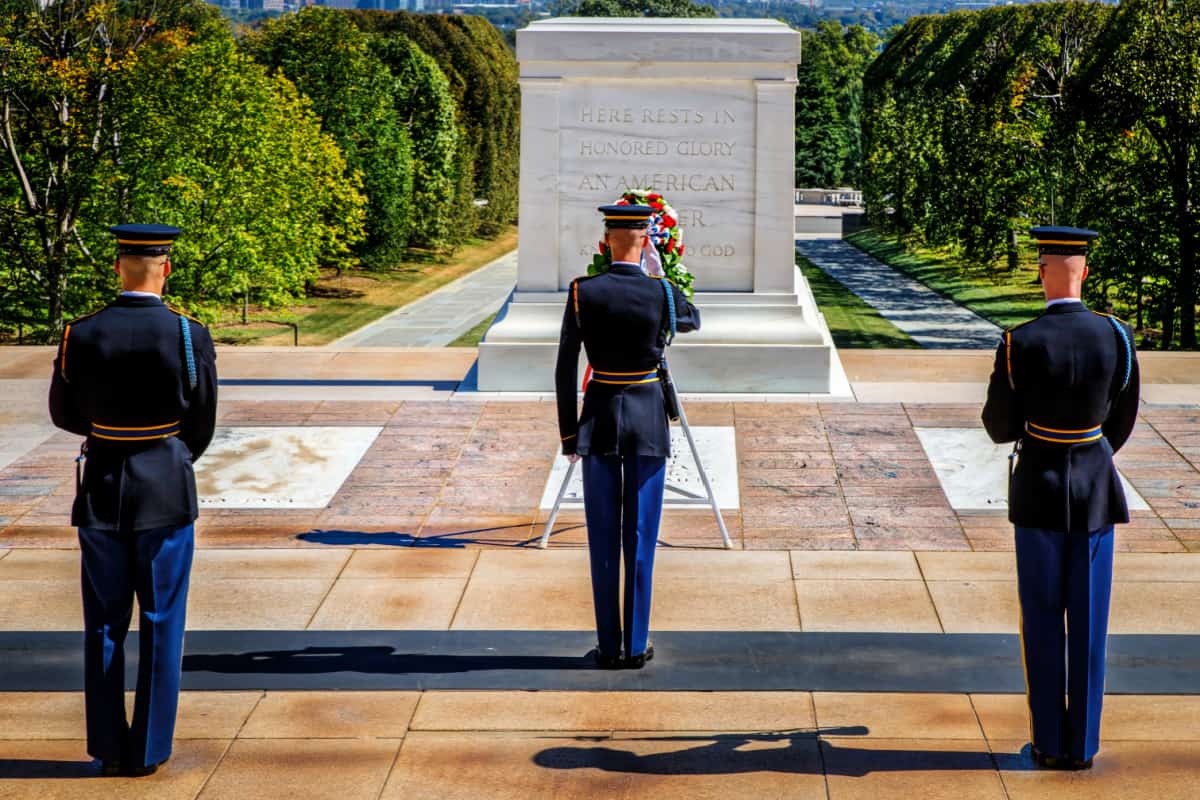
point(702, 111)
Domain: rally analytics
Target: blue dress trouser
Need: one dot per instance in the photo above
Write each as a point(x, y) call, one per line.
point(623, 499)
point(1058, 573)
point(154, 565)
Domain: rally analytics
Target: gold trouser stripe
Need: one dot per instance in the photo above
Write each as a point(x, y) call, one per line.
point(566, 438)
point(1025, 664)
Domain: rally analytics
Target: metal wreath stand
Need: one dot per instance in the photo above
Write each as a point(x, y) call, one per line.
point(683, 496)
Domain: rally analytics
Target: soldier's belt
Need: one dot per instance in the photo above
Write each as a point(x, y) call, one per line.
point(115, 434)
point(1058, 436)
point(625, 378)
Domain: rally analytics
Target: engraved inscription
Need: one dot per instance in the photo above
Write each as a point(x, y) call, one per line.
point(698, 151)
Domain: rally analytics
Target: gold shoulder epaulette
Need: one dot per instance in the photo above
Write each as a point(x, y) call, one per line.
point(89, 315)
point(1012, 328)
point(183, 313)
point(1110, 316)
point(62, 346)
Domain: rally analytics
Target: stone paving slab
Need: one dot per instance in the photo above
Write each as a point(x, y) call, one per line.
point(411, 588)
point(810, 476)
point(442, 316)
point(756, 761)
point(928, 317)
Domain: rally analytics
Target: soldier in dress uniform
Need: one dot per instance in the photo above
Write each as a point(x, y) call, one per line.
point(1065, 389)
point(623, 436)
point(138, 379)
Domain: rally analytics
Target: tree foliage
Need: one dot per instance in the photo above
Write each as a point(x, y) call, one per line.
point(642, 8)
point(482, 75)
point(978, 124)
point(353, 92)
point(424, 104)
point(58, 131)
point(237, 159)
point(829, 103)
point(1142, 80)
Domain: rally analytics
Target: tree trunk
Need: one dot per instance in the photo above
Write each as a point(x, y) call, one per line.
point(56, 285)
point(1014, 255)
point(1140, 286)
point(1167, 306)
point(1186, 285)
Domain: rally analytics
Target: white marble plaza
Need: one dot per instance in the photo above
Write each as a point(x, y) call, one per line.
point(973, 470)
point(278, 467)
point(718, 451)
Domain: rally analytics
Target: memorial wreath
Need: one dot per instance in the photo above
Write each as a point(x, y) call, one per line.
point(664, 232)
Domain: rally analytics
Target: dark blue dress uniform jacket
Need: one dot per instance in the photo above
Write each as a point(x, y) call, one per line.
point(620, 317)
point(123, 367)
point(1064, 371)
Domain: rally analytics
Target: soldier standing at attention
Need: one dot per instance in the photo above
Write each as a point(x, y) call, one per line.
point(1065, 389)
point(622, 318)
point(139, 380)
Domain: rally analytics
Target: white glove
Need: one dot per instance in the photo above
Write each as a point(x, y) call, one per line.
point(651, 262)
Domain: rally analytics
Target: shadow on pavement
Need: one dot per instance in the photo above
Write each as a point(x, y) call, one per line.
point(802, 752)
point(451, 540)
point(31, 769)
point(374, 660)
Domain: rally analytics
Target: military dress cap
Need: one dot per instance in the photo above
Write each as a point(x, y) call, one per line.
point(627, 216)
point(145, 240)
point(1058, 240)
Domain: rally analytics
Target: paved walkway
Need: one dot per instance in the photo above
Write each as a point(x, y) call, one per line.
point(843, 651)
point(441, 317)
point(926, 316)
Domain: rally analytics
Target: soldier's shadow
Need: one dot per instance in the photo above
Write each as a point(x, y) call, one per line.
point(500, 536)
point(380, 660)
point(805, 752)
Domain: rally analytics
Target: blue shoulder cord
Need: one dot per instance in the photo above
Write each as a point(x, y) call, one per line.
point(188, 356)
point(1128, 350)
point(666, 284)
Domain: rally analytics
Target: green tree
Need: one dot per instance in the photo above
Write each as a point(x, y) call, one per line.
point(353, 92)
point(482, 73)
point(237, 159)
point(821, 146)
point(1145, 75)
point(425, 105)
point(642, 8)
point(59, 63)
point(829, 103)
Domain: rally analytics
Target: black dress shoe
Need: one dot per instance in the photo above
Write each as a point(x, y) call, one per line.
point(639, 661)
point(111, 769)
point(604, 661)
point(1078, 765)
point(142, 772)
point(1047, 761)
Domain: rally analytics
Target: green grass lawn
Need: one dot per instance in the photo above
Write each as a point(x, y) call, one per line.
point(1015, 298)
point(852, 322)
point(344, 303)
point(472, 337)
